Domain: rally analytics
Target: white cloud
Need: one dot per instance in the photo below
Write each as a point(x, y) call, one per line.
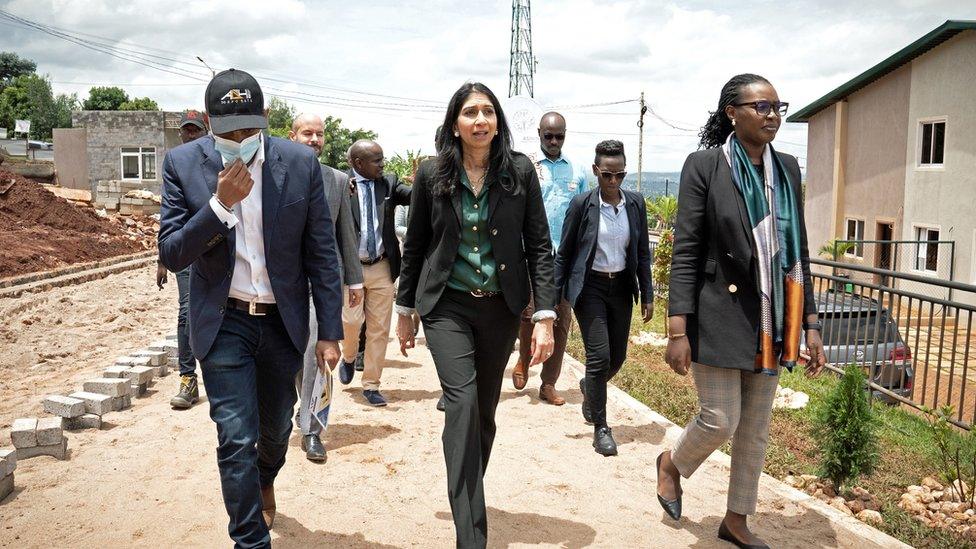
point(588, 51)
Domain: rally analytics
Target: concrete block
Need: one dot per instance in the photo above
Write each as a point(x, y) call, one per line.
point(140, 389)
point(126, 361)
point(162, 370)
point(23, 432)
point(59, 450)
point(156, 358)
point(116, 371)
point(64, 406)
point(50, 430)
point(140, 375)
point(87, 421)
point(95, 403)
point(8, 462)
point(158, 345)
point(108, 386)
point(141, 361)
point(121, 402)
point(6, 486)
point(171, 337)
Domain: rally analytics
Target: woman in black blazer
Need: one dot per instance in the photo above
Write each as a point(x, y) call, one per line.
point(603, 267)
point(476, 239)
point(740, 294)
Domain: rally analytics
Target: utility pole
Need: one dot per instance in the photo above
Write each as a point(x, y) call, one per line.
point(521, 62)
point(640, 142)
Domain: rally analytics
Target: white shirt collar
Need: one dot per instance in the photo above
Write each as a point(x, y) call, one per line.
point(357, 177)
point(623, 199)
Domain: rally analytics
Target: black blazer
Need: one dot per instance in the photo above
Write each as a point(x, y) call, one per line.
point(714, 277)
point(579, 240)
point(519, 235)
point(388, 192)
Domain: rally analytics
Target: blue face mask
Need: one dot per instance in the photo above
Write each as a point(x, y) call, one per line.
point(232, 150)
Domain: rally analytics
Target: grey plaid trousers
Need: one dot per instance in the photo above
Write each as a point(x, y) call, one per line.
point(737, 404)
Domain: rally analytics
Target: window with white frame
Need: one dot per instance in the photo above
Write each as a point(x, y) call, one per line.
point(932, 143)
point(927, 249)
point(138, 162)
point(855, 235)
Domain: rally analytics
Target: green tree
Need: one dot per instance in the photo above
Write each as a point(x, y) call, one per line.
point(29, 97)
point(405, 167)
point(105, 99)
point(845, 430)
point(280, 117)
point(12, 66)
point(139, 104)
point(833, 249)
point(338, 139)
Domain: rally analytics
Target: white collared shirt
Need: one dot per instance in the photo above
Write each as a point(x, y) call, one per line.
point(367, 199)
point(613, 237)
point(250, 281)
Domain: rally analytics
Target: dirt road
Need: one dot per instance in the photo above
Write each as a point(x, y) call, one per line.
point(150, 478)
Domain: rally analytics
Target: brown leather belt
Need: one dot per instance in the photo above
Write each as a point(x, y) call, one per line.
point(601, 274)
point(252, 308)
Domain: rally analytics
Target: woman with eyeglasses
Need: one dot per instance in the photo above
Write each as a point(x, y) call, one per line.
point(603, 267)
point(476, 239)
point(740, 295)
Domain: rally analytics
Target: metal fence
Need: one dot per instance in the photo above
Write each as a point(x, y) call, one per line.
point(917, 349)
point(929, 259)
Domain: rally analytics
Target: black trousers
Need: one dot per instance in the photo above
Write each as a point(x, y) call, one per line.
point(603, 311)
point(470, 339)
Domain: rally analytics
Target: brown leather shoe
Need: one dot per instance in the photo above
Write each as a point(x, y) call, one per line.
point(548, 393)
point(268, 505)
point(520, 375)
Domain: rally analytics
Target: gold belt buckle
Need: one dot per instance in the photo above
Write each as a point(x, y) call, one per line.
point(252, 308)
point(478, 293)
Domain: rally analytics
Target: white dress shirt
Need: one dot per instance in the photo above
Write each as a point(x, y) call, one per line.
point(250, 281)
point(613, 238)
point(367, 199)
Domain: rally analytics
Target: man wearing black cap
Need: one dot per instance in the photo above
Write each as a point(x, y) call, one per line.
point(248, 212)
point(192, 126)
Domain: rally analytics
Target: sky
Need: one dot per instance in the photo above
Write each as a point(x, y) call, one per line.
point(391, 66)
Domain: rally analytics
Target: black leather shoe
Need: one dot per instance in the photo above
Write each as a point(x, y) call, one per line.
point(672, 507)
point(314, 450)
point(603, 442)
point(725, 535)
point(587, 414)
point(440, 404)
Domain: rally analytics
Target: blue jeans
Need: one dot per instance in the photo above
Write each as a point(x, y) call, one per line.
point(249, 375)
point(188, 364)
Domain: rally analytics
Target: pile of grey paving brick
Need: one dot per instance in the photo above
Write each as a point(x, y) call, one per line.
point(129, 377)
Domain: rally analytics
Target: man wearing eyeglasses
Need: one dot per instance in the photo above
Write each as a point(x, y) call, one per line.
point(560, 180)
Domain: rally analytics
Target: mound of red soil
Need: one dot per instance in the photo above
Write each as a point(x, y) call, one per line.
point(40, 231)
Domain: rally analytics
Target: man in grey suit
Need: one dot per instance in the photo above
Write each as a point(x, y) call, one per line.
point(308, 129)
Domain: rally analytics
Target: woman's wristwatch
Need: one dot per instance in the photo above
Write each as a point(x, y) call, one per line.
point(813, 326)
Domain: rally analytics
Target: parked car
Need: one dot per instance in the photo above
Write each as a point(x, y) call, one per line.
point(858, 329)
point(39, 145)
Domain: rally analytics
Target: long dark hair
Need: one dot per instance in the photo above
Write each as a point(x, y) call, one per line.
point(447, 175)
point(718, 126)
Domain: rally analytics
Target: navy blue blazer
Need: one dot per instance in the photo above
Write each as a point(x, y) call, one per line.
point(299, 239)
point(574, 259)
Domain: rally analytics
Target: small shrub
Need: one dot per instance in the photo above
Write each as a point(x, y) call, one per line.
point(845, 430)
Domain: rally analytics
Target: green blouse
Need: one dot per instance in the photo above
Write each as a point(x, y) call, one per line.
point(474, 266)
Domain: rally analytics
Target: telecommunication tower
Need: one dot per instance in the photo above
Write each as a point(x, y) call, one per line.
point(521, 64)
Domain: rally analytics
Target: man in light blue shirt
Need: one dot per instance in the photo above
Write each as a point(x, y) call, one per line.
point(560, 180)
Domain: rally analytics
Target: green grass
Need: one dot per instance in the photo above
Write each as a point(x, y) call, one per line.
point(908, 452)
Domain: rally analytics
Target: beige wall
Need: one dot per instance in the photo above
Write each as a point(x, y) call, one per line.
point(819, 183)
point(875, 158)
point(944, 84)
point(71, 157)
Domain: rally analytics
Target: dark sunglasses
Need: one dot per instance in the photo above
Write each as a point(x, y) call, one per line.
point(613, 175)
point(548, 136)
point(763, 108)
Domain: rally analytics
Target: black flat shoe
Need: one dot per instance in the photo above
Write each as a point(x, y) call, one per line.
point(725, 535)
point(672, 507)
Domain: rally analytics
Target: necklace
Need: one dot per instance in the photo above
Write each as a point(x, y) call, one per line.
point(479, 183)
